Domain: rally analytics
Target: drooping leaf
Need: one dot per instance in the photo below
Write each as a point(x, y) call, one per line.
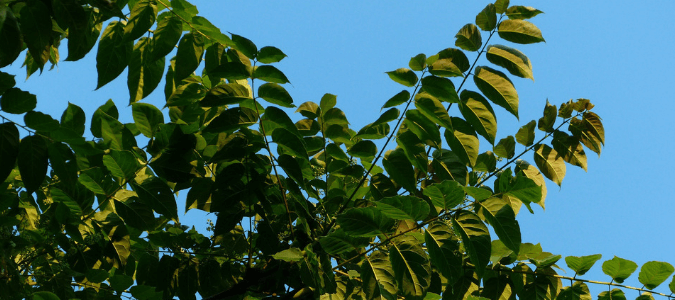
point(147, 118)
point(548, 120)
point(142, 17)
point(522, 12)
point(114, 53)
point(478, 112)
point(475, 237)
point(289, 142)
point(505, 148)
point(400, 169)
point(503, 220)
point(414, 150)
point(418, 62)
point(275, 94)
point(378, 277)
point(433, 110)
point(589, 130)
point(425, 129)
point(441, 88)
point(398, 99)
point(36, 27)
point(443, 247)
point(33, 161)
point(269, 54)
point(411, 266)
point(525, 135)
point(16, 101)
point(270, 74)
point(511, 59)
point(654, 273)
point(155, 193)
point(403, 76)
point(533, 173)
point(144, 73)
point(10, 34)
point(445, 67)
point(403, 208)
point(364, 222)
point(550, 163)
point(468, 38)
point(189, 55)
point(582, 264)
point(245, 46)
point(498, 88)
point(520, 31)
point(570, 149)
point(9, 148)
point(618, 268)
point(445, 195)
point(463, 141)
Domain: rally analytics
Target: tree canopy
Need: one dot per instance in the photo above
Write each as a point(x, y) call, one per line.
point(418, 204)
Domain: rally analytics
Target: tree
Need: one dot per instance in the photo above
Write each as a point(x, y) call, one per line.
point(305, 209)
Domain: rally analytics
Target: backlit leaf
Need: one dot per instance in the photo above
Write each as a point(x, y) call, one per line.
point(411, 266)
point(468, 38)
point(443, 247)
point(441, 88)
point(400, 169)
point(506, 147)
point(40, 121)
point(550, 163)
point(189, 55)
point(36, 26)
point(275, 94)
point(166, 36)
point(522, 12)
point(220, 95)
point(475, 237)
point(16, 101)
point(398, 99)
point(289, 255)
point(233, 119)
point(414, 150)
point(445, 67)
point(618, 268)
point(520, 31)
point(269, 54)
point(463, 141)
point(33, 161)
point(570, 149)
point(478, 112)
point(121, 164)
point(403, 208)
point(525, 135)
point(113, 53)
point(147, 118)
point(144, 73)
point(446, 195)
point(155, 193)
point(487, 18)
point(289, 142)
point(365, 222)
point(270, 74)
point(614, 294)
point(577, 291)
point(10, 34)
point(501, 6)
point(403, 76)
point(74, 119)
point(504, 222)
point(582, 264)
point(533, 173)
point(141, 19)
point(418, 62)
point(364, 149)
point(654, 273)
point(378, 277)
point(511, 59)
point(498, 88)
point(433, 110)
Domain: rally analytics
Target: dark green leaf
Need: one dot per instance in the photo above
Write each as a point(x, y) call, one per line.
point(270, 74)
point(478, 112)
point(9, 148)
point(654, 273)
point(550, 163)
point(398, 99)
point(374, 132)
point(524, 189)
point(234, 70)
point(501, 6)
point(511, 59)
point(309, 110)
point(113, 53)
point(411, 266)
point(269, 54)
point(91, 183)
point(109, 109)
point(246, 46)
point(503, 220)
point(577, 291)
point(468, 38)
point(144, 73)
point(378, 277)
point(275, 94)
point(433, 109)
point(532, 173)
point(506, 147)
point(135, 215)
point(189, 55)
point(232, 119)
point(339, 134)
point(289, 142)
point(582, 264)
point(445, 68)
point(414, 150)
point(6, 80)
point(443, 247)
point(338, 242)
point(418, 62)
point(147, 118)
point(570, 149)
point(45, 296)
point(141, 19)
point(185, 9)
point(403, 208)
point(364, 149)
point(223, 94)
point(522, 12)
point(121, 164)
point(40, 121)
point(548, 120)
point(463, 141)
point(280, 119)
point(399, 169)
point(456, 56)
point(36, 26)
point(16, 101)
point(155, 193)
point(525, 135)
point(441, 88)
point(475, 237)
point(365, 222)
point(74, 119)
point(166, 36)
point(386, 117)
point(425, 129)
point(10, 34)
point(614, 294)
point(445, 195)
point(83, 27)
point(487, 18)
point(498, 88)
point(33, 161)
point(519, 31)
point(403, 76)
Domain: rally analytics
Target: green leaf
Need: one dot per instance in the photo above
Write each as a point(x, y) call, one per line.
point(443, 247)
point(10, 34)
point(144, 73)
point(441, 88)
point(577, 291)
point(141, 19)
point(33, 161)
point(618, 268)
point(654, 273)
point(425, 129)
point(645, 296)
point(519, 31)
point(6, 80)
point(83, 27)
point(403, 208)
point(463, 141)
point(511, 59)
point(414, 150)
point(581, 265)
point(309, 110)
point(120, 282)
point(289, 142)
point(121, 164)
point(446, 195)
point(550, 163)
point(91, 183)
point(245, 46)
point(339, 134)
point(475, 237)
point(166, 36)
point(498, 88)
point(9, 148)
point(468, 38)
point(487, 18)
point(418, 62)
point(533, 173)
point(275, 94)
point(289, 255)
point(506, 147)
point(445, 67)
point(36, 26)
point(614, 294)
point(224, 94)
point(233, 70)
point(147, 118)
point(478, 112)
point(45, 296)
point(40, 121)
point(398, 99)
point(525, 135)
point(589, 131)
point(570, 149)
point(403, 76)
point(386, 117)
point(114, 53)
point(518, 12)
point(501, 6)
point(338, 242)
point(155, 193)
point(327, 102)
point(16, 101)
point(433, 110)
point(399, 168)
point(189, 55)
point(136, 215)
point(364, 149)
point(524, 189)
point(365, 222)
point(269, 54)
point(270, 74)
point(377, 276)
point(411, 266)
point(232, 119)
point(74, 119)
point(281, 119)
point(548, 120)
point(374, 132)
point(503, 220)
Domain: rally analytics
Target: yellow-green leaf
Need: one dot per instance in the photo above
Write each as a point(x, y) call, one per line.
point(497, 87)
point(511, 59)
point(550, 163)
point(520, 31)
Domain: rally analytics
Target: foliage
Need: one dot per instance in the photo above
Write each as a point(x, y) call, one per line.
point(305, 209)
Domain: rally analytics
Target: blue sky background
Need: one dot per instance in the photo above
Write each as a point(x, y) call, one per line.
point(617, 54)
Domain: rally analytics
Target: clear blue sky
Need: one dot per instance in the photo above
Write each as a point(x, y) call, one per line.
point(618, 54)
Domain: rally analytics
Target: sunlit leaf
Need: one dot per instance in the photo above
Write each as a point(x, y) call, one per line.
point(418, 62)
point(403, 76)
point(411, 266)
point(550, 163)
point(365, 222)
point(403, 208)
point(511, 59)
point(478, 112)
point(475, 237)
point(654, 273)
point(520, 31)
point(270, 74)
point(501, 6)
point(378, 277)
point(577, 291)
point(582, 264)
point(463, 141)
point(487, 18)
point(399, 169)
point(468, 38)
point(525, 135)
point(398, 99)
point(166, 36)
point(441, 88)
point(269, 54)
point(618, 268)
point(141, 19)
point(522, 12)
point(498, 88)
point(446, 195)
point(144, 73)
